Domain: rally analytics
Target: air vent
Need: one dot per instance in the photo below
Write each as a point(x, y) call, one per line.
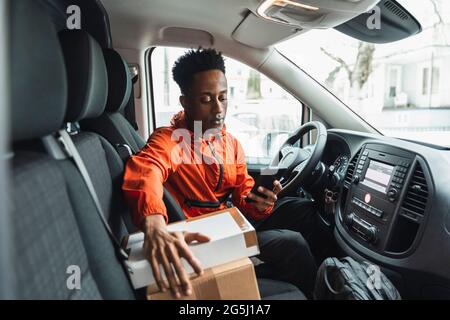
point(395, 9)
point(416, 197)
point(351, 170)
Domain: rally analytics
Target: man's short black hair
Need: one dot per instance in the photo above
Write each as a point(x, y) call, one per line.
point(195, 61)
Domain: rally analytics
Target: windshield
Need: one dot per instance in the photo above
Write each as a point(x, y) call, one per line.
point(401, 88)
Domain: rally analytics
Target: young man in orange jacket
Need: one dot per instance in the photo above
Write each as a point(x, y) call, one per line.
point(201, 165)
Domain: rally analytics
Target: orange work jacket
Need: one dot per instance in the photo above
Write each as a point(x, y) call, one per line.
point(200, 173)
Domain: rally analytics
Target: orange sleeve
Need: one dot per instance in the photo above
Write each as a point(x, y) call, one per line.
point(144, 176)
point(245, 184)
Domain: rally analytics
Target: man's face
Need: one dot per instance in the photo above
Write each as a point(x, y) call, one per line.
point(206, 100)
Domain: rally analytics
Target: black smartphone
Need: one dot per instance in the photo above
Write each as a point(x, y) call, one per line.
point(265, 179)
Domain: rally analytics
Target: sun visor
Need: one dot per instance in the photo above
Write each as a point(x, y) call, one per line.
point(387, 22)
point(185, 37)
point(259, 33)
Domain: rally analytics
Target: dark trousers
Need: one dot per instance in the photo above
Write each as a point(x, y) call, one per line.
point(283, 242)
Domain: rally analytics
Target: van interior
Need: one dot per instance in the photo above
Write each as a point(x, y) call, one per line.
point(358, 87)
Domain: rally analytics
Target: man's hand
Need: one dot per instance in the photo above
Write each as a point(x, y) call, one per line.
point(262, 203)
point(165, 248)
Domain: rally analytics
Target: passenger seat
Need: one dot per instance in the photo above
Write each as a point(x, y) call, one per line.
point(113, 126)
point(49, 245)
point(88, 91)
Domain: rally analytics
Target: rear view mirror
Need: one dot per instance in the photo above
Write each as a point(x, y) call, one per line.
point(387, 22)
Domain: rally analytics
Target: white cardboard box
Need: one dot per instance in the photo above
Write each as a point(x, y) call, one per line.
point(232, 238)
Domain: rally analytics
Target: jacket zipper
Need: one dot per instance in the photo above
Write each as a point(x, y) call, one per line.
point(219, 183)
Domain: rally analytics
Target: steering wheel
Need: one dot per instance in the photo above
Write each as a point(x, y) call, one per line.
point(299, 163)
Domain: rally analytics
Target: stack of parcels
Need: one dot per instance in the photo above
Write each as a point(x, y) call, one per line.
point(228, 272)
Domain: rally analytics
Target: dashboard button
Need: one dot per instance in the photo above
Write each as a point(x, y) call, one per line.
point(372, 234)
point(349, 219)
point(392, 194)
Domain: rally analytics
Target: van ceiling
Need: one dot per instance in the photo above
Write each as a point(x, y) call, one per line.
point(138, 24)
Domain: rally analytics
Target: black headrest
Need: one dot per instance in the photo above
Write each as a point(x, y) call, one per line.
point(38, 75)
point(119, 81)
point(86, 73)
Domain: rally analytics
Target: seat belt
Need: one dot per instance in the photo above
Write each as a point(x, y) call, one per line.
point(72, 152)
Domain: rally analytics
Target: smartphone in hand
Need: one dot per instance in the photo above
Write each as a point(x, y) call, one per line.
point(265, 179)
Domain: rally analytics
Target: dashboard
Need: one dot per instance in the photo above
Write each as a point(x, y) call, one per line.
point(340, 164)
point(393, 207)
point(337, 154)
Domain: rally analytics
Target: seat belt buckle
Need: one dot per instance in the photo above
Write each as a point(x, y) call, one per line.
point(123, 251)
point(124, 151)
point(123, 254)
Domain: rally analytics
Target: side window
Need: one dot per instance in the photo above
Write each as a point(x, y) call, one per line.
point(260, 113)
point(166, 92)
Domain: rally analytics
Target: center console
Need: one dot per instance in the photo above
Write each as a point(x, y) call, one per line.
point(375, 207)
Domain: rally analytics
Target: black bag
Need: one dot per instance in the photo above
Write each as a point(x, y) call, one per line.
point(347, 279)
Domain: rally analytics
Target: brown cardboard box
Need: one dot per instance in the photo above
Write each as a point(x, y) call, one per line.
point(232, 238)
point(231, 281)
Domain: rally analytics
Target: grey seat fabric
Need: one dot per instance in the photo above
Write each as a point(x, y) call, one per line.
point(47, 240)
point(46, 236)
point(57, 226)
point(104, 263)
point(113, 126)
point(88, 82)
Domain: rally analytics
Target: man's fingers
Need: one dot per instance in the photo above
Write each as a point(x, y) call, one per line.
point(261, 200)
point(157, 273)
point(169, 274)
point(277, 186)
point(268, 193)
point(186, 253)
point(191, 237)
point(179, 269)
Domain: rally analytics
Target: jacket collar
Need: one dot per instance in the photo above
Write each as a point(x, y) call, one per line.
point(178, 121)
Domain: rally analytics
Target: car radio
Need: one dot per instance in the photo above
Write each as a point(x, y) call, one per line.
point(382, 172)
point(377, 184)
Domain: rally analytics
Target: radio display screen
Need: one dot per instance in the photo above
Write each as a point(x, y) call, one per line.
point(378, 175)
